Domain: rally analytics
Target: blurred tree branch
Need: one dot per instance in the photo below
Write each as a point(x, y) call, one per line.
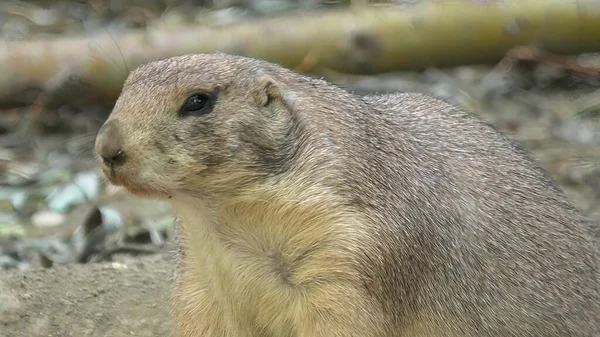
point(358, 40)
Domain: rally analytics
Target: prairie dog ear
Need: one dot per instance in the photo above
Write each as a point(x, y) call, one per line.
point(266, 90)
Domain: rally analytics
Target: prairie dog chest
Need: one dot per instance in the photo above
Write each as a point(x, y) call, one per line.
point(262, 277)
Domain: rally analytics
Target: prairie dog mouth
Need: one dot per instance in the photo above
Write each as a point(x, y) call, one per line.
point(134, 186)
point(145, 192)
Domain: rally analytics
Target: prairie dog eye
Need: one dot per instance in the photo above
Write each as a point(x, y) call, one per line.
point(196, 105)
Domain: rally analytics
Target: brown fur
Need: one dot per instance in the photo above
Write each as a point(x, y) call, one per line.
point(307, 211)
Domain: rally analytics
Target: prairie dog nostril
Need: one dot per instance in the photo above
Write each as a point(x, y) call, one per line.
point(116, 160)
point(109, 144)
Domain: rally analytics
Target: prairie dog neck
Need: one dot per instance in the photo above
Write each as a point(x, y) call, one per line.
point(278, 230)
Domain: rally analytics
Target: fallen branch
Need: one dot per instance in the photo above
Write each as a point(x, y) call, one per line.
point(362, 40)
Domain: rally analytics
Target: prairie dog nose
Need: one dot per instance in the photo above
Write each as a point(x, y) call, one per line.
point(109, 145)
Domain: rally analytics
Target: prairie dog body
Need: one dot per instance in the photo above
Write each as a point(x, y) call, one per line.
point(307, 211)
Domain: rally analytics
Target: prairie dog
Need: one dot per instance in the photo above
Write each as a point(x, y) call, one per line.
point(307, 211)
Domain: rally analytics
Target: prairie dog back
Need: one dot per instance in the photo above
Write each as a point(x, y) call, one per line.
point(491, 239)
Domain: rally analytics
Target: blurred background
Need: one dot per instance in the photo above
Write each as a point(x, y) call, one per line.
point(530, 68)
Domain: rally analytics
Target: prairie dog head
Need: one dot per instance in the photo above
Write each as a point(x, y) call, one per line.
point(200, 124)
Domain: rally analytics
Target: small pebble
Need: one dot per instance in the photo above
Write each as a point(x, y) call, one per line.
point(46, 218)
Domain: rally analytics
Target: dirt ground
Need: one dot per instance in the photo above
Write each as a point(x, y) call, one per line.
point(96, 300)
